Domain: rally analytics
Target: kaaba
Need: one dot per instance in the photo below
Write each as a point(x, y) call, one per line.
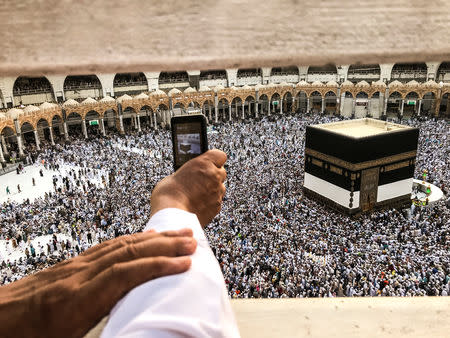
point(359, 165)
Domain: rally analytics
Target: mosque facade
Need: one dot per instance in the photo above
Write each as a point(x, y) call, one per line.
point(39, 108)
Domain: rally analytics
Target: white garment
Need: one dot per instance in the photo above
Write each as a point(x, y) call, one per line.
point(191, 304)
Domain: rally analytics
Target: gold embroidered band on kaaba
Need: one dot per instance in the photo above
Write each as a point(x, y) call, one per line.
point(362, 165)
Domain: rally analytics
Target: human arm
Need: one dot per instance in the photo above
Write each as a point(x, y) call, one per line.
point(69, 298)
point(194, 303)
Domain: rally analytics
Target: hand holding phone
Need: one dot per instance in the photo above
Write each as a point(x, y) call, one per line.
point(189, 138)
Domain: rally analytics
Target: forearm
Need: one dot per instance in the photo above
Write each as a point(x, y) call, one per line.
point(194, 303)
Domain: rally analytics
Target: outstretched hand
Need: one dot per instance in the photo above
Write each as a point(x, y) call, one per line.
point(196, 187)
point(70, 298)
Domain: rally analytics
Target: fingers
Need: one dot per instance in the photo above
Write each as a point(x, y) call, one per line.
point(112, 245)
point(217, 157)
point(112, 284)
point(153, 247)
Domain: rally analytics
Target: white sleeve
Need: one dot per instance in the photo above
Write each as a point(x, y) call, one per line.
point(191, 304)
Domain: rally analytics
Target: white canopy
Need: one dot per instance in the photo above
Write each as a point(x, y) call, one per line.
point(259, 86)
point(332, 84)
point(14, 113)
point(204, 89)
point(362, 84)
point(395, 83)
point(158, 92)
point(218, 87)
point(89, 100)
point(285, 84)
point(190, 90)
point(430, 83)
point(141, 96)
point(348, 83)
point(46, 106)
point(124, 97)
point(317, 84)
point(70, 103)
point(174, 91)
point(302, 83)
point(412, 83)
point(379, 83)
point(30, 109)
point(107, 99)
point(247, 87)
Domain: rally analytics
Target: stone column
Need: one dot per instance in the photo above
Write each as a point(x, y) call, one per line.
point(369, 104)
point(323, 104)
point(243, 115)
point(19, 138)
point(419, 107)
point(293, 105)
point(52, 141)
point(256, 109)
point(5, 149)
point(281, 106)
point(307, 103)
point(66, 133)
point(36, 138)
point(353, 107)
point(216, 111)
point(102, 127)
point(138, 122)
point(401, 107)
point(386, 97)
point(437, 106)
point(83, 127)
point(229, 112)
point(270, 103)
point(122, 131)
point(209, 112)
point(2, 159)
point(19, 144)
point(154, 121)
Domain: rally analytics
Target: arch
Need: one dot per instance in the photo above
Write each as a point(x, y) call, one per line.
point(301, 101)
point(330, 104)
point(80, 82)
point(283, 71)
point(325, 69)
point(249, 72)
point(129, 83)
point(82, 86)
point(429, 101)
point(315, 101)
point(236, 108)
point(42, 123)
point(27, 130)
point(375, 94)
point(444, 107)
point(214, 74)
point(92, 115)
point(362, 94)
point(32, 90)
point(359, 72)
point(73, 122)
point(223, 109)
point(173, 78)
point(405, 72)
point(394, 103)
point(443, 72)
point(275, 94)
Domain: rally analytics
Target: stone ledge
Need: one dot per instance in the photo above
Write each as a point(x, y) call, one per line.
point(72, 36)
point(338, 317)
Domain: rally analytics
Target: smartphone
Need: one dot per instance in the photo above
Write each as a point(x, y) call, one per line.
point(189, 138)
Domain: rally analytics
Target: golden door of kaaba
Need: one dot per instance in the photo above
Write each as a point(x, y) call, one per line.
point(369, 188)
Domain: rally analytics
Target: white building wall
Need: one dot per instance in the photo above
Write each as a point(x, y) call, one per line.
point(347, 105)
point(284, 78)
point(396, 189)
point(322, 77)
point(375, 107)
point(331, 191)
point(212, 83)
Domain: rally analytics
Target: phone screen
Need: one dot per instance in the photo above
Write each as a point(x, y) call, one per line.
point(188, 141)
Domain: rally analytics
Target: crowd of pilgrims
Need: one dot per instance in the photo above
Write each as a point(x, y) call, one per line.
point(269, 239)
